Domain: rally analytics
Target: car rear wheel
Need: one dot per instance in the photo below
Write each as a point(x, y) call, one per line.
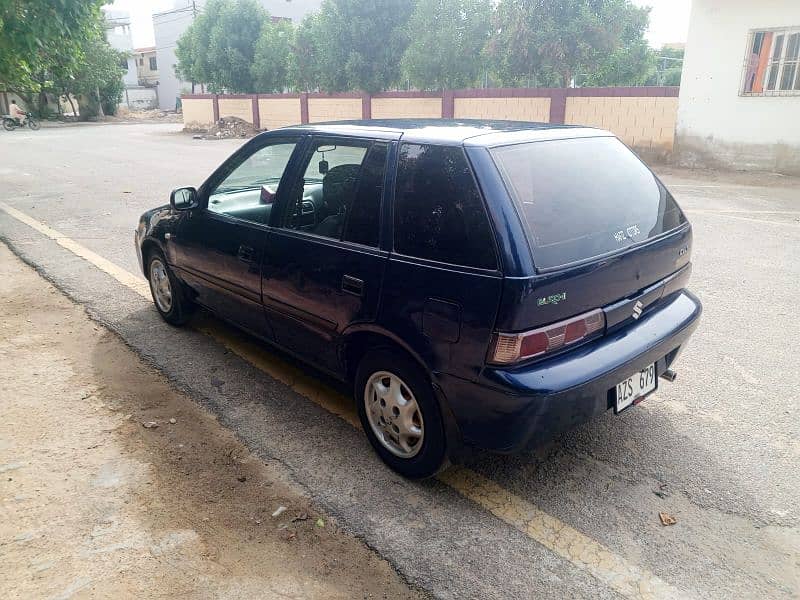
point(168, 293)
point(399, 414)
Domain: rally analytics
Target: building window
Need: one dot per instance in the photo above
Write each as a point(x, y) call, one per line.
point(772, 63)
point(153, 64)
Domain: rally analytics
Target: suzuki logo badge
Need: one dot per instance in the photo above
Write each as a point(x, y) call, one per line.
point(637, 309)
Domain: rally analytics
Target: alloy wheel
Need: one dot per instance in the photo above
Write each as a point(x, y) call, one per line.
point(394, 414)
point(160, 284)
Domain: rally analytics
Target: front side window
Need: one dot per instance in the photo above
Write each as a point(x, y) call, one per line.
point(342, 187)
point(438, 211)
point(249, 190)
point(772, 63)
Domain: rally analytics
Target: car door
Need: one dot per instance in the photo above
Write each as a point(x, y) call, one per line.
point(323, 266)
point(443, 281)
point(219, 247)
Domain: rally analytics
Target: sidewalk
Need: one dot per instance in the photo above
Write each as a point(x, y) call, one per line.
point(113, 485)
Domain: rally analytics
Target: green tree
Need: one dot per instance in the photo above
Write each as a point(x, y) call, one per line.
point(549, 42)
point(272, 57)
point(632, 64)
point(96, 83)
point(360, 43)
point(671, 76)
point(447, 41)
point(35, 35)
point(218, 48)
point(669, 67)
point(189, 67)
point(304, 66)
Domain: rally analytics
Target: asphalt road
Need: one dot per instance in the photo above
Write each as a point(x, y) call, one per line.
point(718, 449)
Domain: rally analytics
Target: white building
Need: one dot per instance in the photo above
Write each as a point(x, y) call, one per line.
point(146, 65)
point(168, 26)
point(739, 104)
point(118, 34)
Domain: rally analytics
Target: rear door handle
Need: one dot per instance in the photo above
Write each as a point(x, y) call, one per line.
point(353, 285)
point(246, 253)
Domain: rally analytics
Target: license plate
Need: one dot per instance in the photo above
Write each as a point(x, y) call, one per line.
point(635, 387)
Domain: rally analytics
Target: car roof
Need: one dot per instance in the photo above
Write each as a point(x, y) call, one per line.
point(474, 132)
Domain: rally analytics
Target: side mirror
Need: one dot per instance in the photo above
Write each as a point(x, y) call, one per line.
point(184, 198)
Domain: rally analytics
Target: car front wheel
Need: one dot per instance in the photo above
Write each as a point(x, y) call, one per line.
point(167, 290)
point(399, 414)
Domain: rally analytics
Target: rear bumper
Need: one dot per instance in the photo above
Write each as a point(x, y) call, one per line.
point(508, 409)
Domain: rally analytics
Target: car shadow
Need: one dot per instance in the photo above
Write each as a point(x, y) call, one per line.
point(637, 449)
point(609, 478)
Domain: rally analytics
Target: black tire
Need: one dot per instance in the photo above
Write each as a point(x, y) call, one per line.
point(33, 124)
point(9, 125)
point(180, 308)
point(431, 456)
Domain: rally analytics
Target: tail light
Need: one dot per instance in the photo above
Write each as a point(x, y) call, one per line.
point(508, 348)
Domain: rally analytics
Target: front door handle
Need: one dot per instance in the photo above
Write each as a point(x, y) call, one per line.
point(246, 253)
point(353, 285)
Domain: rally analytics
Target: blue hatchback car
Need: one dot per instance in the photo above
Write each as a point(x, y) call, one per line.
point(479, 283)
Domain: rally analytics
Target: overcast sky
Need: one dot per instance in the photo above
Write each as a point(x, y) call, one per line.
point(141, 18)
point(669, 19)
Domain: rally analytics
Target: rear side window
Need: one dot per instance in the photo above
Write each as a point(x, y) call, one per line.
point(438, 212)
point(582, 198)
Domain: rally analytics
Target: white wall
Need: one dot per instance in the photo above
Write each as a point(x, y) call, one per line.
point(140, 98)
point(131, 77)
point(168, 27)
point(716, 126)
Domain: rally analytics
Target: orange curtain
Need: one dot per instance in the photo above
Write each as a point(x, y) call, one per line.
point(763, 59)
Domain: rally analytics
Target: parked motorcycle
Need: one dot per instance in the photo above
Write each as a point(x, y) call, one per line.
point(11, 123)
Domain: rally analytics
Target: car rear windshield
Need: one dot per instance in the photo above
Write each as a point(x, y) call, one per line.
point(585, 197)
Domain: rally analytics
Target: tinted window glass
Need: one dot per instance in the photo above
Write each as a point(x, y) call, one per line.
point(249, 190)
point(438, 210)
point(330, 186)
point(362, 221)
point(582, 198)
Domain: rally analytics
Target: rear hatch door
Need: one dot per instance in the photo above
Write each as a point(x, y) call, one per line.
point(602, 229)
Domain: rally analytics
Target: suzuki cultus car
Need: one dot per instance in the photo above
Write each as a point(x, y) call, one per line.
point(479, 283)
